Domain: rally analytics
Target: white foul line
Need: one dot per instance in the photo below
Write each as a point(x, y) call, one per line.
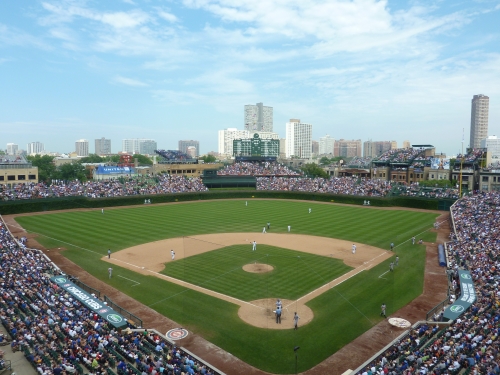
point(136, 283)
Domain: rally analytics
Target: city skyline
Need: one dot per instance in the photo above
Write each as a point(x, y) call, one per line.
point(184, 69)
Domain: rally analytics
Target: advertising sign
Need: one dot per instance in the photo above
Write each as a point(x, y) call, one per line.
point(467, 297)
point(94, 304)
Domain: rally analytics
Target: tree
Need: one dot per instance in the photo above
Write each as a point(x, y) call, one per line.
point(208, 158)
point(92, 158)
point(314, 170)
point(46, 167)
point(71, 171)
point(142, 159)
point(324, 160)
point(112, 158)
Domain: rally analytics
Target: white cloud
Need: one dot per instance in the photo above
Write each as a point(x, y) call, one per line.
point(168, 16)
point(328, 26)
point(129, 81)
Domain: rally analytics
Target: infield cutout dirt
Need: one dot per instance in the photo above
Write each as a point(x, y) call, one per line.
point(150, 258)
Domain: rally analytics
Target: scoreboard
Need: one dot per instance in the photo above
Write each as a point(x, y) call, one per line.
point(256, 147)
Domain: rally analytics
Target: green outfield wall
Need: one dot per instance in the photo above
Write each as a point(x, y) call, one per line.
point(52, 204)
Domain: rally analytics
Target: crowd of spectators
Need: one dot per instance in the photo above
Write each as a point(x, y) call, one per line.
point(360, 162)
point(421, 161)
point(399, 155)
point(257, 169)
point(160, 184)
point(415, 190)
point(60, 336)
point(334, 185)
point(470, 344)
point(470, 157)
point(173, 154)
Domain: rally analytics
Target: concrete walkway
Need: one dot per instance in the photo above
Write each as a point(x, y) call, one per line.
point(20, 366)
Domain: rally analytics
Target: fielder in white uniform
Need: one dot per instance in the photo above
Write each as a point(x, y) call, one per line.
point(173, 254)
point(254, 246)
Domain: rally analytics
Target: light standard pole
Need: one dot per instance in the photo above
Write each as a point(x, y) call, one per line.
point(295, 350)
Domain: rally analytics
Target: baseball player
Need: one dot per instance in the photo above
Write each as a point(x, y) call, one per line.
point(382, 310)
point(295, 320)
point(254, 246)
point(353, 248)
point(173, 254)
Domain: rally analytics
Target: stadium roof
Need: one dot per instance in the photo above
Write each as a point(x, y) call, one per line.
point(422, 146)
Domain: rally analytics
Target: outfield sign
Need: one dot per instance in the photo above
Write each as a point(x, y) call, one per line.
point(94, 304)
point(114, 170)
point(467, 297)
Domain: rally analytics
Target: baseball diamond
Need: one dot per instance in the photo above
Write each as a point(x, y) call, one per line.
point(199, 290)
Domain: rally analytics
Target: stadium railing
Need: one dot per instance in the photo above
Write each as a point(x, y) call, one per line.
point(84, 286)
point(126, 314)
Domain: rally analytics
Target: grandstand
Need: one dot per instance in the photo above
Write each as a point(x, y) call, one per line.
point(468, 344)
point(174, 157)
point(47, 318)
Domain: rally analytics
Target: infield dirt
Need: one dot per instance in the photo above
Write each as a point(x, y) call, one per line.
point(150, 259)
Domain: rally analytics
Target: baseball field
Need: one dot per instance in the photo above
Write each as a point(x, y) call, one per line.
point(221, 289)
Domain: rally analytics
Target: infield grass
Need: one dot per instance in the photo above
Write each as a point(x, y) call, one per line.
point(340, 315)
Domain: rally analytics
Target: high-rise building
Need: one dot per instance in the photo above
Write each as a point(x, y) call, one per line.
point(376, 148)
point(394, 145)
point(282, 147)
point(82, 147)
point(34, 148)
point(479, 120)
point(103, 146)
point(326, 145)
point(492, 144)
point(147, 146)
point(139, 146)
point(406, 144)
point(298, 139)
point(12, 148)
point(315, 148)
point(346, 148)
point(191, 151)
point(258, 118)
point(184, 145)
point(226, 138)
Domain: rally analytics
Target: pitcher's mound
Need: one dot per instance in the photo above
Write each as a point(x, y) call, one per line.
point(258, 268)
point(260, 313)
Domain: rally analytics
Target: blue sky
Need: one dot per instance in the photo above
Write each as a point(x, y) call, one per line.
point(184, 69)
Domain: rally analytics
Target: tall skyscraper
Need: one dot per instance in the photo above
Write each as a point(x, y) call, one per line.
point(184, 145)
point(258, 118)
point(139, 146)
point(479, 120)
point(103, 146)
point(326, 145)
point(12, 148)
point(82, 147)
point(34, 148)
point(298, 139)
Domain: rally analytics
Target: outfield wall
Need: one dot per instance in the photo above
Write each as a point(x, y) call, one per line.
point(52, 204)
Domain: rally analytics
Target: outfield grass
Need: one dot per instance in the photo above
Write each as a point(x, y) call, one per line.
point(340, 315)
